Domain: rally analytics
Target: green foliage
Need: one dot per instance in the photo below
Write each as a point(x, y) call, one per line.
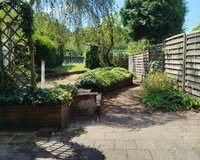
point(135, 47)
point(119, 59)
point(110, 29)
point(158, 82)
point(159, 91)
point(170, 101)
point(197, 28)
point(41, 97)
point(27, 19)
point(60, 55)
point(155, 67)
point(25, 13)
point(45, 50)
point(92, 60)
point(103, 78)
point(154, 20)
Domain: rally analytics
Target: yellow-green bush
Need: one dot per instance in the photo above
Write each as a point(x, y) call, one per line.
point(103, 79)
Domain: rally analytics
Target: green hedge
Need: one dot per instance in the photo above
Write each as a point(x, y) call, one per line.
point(62, 94)
point(91, 57)
point(103, 79)
point(45, 50)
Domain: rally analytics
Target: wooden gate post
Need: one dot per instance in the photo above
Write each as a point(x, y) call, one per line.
point(184, 61)
point(1, 56)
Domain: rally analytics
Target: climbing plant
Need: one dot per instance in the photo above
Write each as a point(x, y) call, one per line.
point(16, 45)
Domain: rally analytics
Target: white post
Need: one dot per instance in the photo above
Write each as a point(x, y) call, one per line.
point(42, 73)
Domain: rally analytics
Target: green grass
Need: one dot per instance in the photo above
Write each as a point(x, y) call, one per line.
point(67, 68)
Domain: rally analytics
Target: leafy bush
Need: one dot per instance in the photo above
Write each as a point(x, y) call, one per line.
point(102, 79)
point(91, 54)
point(43, 97)
point(159, 91)
point(120, 59)
point(45, 50)
point(170, 101)
point(158, 82)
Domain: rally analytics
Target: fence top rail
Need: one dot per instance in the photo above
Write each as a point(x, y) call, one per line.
point(174, 37)
point(194, 32)
point(140, 53)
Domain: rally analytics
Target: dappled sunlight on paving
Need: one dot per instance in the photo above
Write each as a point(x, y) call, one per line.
point(126, 130)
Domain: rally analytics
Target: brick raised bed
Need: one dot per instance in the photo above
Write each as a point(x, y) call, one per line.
point(34, 117)
point(84, 104)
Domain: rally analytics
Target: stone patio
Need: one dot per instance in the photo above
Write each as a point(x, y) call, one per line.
point(125, 131)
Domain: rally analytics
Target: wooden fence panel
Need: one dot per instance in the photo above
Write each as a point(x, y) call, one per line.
point(181, 61)
point(139, 64)
point(192, 76)
point(173, 59)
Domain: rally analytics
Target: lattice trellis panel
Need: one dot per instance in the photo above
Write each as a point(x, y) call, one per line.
point(15, 51)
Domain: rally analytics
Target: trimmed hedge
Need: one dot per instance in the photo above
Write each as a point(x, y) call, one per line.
point(59, 95)
point(45, 50)
point(91, 57)
point(104, 79)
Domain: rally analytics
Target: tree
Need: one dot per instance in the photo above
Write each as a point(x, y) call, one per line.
point(154, 20)
point(75, 11)
point(197, 28)
point(108, 35)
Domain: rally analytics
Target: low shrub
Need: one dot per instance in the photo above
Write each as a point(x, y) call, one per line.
point(45, 50)
point(158, 82)
point(170, 101)
point(41, 97)
point(160, 91)
point(102, 79)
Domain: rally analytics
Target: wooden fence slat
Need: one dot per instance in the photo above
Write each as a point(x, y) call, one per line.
point(193, 40)
point(174, 41)
point(176, 46)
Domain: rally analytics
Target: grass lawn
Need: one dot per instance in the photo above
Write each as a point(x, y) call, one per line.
point(70, 67)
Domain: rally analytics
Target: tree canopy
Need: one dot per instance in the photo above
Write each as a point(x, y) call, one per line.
point(153, 20)
point(76, 12)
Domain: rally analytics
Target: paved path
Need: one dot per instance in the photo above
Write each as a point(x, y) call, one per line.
point(126, 131)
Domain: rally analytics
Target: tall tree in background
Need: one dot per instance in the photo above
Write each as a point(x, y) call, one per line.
point(154, 20)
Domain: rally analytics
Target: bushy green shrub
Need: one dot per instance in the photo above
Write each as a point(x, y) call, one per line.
point(41, 97)
point(170, 101)
point(45, 50)
point(91, 56)
point(160, 91)
point(120, 59)
point(158, 82)
point(103, 78)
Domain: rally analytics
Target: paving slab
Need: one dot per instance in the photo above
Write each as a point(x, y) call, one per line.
point(126, 130)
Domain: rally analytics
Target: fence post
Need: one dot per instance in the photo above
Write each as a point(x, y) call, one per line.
point(184, 61)
point(1, 56)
